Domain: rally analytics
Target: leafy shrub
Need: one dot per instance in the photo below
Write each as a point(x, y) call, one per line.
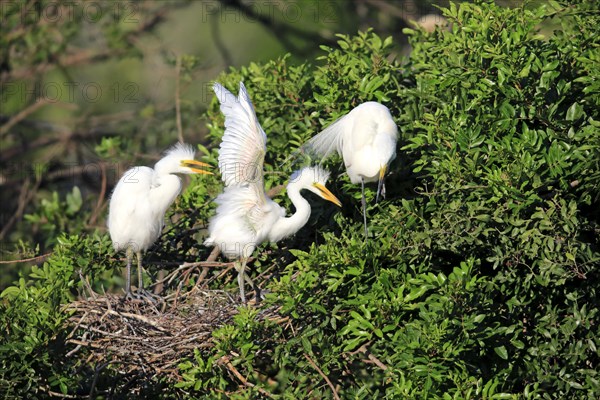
point(477, 282)
point(32, 355)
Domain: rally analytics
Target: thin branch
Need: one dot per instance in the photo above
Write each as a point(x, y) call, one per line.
point(24, 113)
point(218, 40)
point(315, 366)
point(280, 30)
point(96, 212)
point(51, 393)
point(212, 257)
point(363, 349)
point(36, 259)
point(177, 99)
point(388, 8)
point(275, 190)
point(83, 56)
point(70, 172)
point(244, 381)
point(74, 59)
point(213, 254)
point(25, 197)
point(97, 371)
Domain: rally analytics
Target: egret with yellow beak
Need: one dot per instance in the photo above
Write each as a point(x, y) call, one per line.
point(366, 140)
point(140, 200)
point(246, 216)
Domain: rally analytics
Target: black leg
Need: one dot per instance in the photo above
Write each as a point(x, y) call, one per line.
point(380, 190)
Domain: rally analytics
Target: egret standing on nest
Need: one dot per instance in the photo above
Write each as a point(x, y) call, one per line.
point(366, 139)
point(245, 216)
point(140, 200)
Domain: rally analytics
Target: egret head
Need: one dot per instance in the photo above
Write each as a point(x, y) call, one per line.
point(314, 179)
point(179, 159)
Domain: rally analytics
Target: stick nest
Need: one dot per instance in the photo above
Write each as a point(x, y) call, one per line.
point(143, 338)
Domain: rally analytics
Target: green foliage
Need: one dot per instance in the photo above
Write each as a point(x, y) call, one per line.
point(478, 279)
point(32, 355)
point(200, 374)
point(508, 155)
point(55, 216)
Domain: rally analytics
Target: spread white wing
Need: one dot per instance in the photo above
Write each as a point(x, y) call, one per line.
point(328, 140)
point(241, 157)
point(244, 143)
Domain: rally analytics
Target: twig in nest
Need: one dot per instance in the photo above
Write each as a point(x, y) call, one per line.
point(138, 317)
point(211, 258)
point(86, 284)
point(76, 349)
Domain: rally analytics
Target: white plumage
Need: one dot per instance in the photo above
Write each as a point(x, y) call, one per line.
point(140, 200)
point(244, 143)
point(245, 216)
point(366, 139)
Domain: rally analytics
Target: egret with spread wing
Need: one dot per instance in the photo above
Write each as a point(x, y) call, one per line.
point(140, 200)
point(366, 139)
point(245, 216)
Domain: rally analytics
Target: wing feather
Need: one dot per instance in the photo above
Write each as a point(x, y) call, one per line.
point(244, 143)
point(241, 153)
point(328, 141)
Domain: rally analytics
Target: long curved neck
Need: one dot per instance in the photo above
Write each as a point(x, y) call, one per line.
point(287, 226)
point(165, 188)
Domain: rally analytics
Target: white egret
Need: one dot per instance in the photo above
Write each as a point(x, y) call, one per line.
point(245, 215)
point(140, 200)
point(366, 139)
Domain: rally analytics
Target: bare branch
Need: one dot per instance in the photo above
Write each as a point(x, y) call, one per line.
point(177, 99)
point(279, 30)
point(233, 369)
point(36, 260)
point(315, 366)
point(24, 113)
point(218, 40)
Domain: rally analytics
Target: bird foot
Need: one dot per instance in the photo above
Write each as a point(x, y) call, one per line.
point(256, 299)
point(260, 294)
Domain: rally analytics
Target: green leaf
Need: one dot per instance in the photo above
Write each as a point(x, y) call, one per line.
point(525, 71)
point(10, 292)
point(501, 351)
point(574, 112)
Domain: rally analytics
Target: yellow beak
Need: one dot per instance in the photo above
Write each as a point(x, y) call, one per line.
point(189, 163)
point(327, 195)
